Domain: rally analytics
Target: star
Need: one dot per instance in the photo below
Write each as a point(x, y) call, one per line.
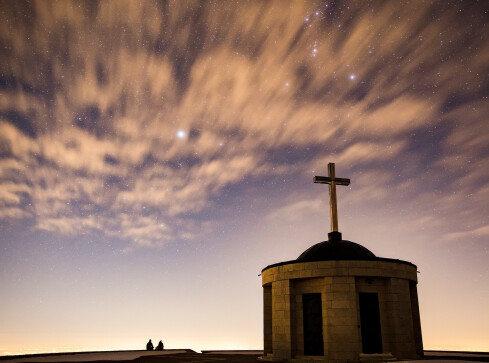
point(352, 77)
point(181, 134)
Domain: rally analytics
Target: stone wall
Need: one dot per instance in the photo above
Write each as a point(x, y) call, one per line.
point(339, 283)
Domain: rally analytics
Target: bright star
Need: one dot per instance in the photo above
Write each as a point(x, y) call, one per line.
point(352, 76)
point(181, 134)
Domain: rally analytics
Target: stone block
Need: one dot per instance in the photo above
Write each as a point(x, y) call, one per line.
point(339, 287)
point(343, 356)
point(343, 332)
point(342, 304)
point(343, 296)
point(335, 313)
point(362, 264)
point(346, 320)
point(316, 283)
point(289, 275)
point(322, 272)
point(278, 289)
point(279, 314)
point(377, 272)
point(343, 345)
point(297, 267)
point(341, 280)
point(359, 271)
point(305, 273)
point(310, 265)
point(391, 297)
point(279, 299)
point(280, 329)
point(328, 304)
point(265, 280)
point(278, 306)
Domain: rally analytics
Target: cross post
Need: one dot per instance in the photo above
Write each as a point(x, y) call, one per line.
point(332, 180)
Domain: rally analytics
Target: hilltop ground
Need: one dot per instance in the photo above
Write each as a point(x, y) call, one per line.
point(189, 356)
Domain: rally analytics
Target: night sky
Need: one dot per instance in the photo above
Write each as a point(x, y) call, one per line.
point(155, 156)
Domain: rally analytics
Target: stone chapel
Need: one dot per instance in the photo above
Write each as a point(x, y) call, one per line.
point(339, 302)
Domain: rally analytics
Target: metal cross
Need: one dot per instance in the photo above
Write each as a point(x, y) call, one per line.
point(332, 181)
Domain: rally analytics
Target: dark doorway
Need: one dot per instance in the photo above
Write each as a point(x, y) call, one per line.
point(370, 322)
point(313, 324)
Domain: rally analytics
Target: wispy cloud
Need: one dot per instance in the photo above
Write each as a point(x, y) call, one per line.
point(93, 96)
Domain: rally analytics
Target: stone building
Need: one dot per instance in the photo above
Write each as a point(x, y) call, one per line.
point(338, 302)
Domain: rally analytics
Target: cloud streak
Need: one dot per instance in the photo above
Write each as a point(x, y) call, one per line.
point(93, 96)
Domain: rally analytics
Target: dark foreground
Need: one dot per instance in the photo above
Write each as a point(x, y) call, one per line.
point(248, 358)
point(245, 358)
point(195, 357)
point(189, 356)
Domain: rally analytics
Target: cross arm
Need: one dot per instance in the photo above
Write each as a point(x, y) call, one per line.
point(328, 180)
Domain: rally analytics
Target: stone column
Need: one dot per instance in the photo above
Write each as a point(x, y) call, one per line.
point(342, 339)
point(418, 339)
point(400, 317)
point(283, 324)
point(267, 319)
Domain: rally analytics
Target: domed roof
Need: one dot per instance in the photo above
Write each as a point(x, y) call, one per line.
point(336, 249)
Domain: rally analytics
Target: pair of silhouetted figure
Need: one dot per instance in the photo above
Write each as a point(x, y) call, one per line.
point(149, 346)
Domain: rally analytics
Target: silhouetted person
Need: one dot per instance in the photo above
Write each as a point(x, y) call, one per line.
point(149, 346)
point(159, 346)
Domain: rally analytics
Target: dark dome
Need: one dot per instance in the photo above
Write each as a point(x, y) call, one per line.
point(336, 249)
